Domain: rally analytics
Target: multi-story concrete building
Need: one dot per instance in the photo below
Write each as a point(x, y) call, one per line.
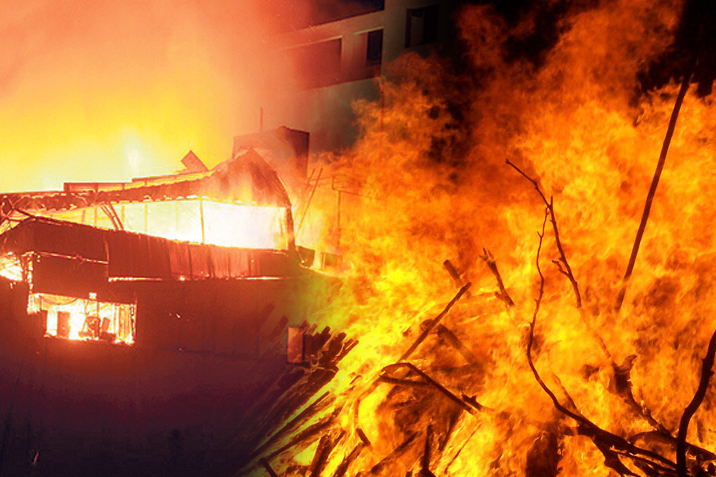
point(340, 61)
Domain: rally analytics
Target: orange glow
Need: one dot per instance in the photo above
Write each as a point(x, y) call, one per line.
point(193, 220)
point(11, 268)
point(84, 319)
point(246, 226)
point(435, 187)
point(106, 91)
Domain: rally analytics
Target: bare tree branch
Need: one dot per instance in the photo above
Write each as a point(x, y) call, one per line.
point(562, 264)
point(609, 444)
point(706, 373)
point(564, 268)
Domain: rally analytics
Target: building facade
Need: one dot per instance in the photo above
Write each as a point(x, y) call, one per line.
point(339, 62)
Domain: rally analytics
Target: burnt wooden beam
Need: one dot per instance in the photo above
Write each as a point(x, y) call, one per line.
point(404, 382)
point(307, 433)
point(473, 402)
point(306, 413)
point(348, 460)
point(453, 420)
point(324, 449)
point(434, 322)
point(459, 451)
point(264, 463)
point(353, 455)
point(489, 259)
point(454, 274)
point(456, 343)
point(654, 183)
point(363, 437)
point(442, 389)
point(425, 460)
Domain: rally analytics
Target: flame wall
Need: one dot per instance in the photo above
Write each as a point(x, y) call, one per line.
point(433, 160)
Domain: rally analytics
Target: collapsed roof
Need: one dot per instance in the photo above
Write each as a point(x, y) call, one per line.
point(245, 179)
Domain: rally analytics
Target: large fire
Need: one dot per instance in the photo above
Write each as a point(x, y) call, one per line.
point(473, 397)
point(485, 248)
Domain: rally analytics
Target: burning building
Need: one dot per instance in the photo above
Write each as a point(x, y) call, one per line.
point(138, 312)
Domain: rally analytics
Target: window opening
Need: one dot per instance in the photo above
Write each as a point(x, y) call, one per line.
point(84, 319)
point(421, 26)
point(374, 49)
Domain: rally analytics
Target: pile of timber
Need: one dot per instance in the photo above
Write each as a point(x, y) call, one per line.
point(424, 412)
point(269, 418)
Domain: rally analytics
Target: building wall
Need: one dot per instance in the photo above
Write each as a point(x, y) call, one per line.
point(328, 84)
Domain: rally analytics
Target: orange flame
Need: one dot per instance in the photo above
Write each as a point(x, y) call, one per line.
point(440, 189)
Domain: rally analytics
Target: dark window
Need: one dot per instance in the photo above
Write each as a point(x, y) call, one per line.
point(318, 64)
point(421, 26)
point(374, 50)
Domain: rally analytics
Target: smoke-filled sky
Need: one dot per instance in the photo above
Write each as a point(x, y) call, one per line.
point(106, 91)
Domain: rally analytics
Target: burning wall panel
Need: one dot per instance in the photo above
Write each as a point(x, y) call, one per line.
point(52, 237)
point(67, 276)
point(128, 255)
point(208, 222)
point(189, 296)
point(152, 258)
point(137, 256)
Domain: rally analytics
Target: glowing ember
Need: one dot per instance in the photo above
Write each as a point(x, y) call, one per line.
point(11, 268)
